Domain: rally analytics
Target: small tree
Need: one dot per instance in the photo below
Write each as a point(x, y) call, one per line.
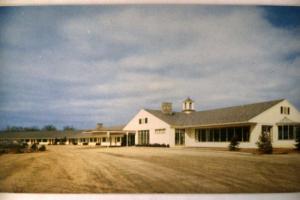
point(264, 144)
point(49, 127)
point(234, 143)
point(42, 148)
point(34, 147)
point(69, 128)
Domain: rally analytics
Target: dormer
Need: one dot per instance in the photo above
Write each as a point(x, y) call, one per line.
point(188, 106)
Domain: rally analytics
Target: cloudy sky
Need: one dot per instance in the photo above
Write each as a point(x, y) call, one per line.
point(79, 65)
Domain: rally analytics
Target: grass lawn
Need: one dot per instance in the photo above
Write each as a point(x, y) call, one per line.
point(74, 169)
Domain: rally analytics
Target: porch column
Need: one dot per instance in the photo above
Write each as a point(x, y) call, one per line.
point(126, 138)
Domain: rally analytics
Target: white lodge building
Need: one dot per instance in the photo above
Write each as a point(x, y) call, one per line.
point(215, 128)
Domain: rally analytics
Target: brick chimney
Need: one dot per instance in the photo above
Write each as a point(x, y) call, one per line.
point(166, 108)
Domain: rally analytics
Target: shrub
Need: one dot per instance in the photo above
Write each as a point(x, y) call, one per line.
point(42, 148)
point(75, 143)
point(85, 143)
point(24, 145)
point(234, 143)
point(264, 144)
point(34, 147)
point(97, 143)
point(297, 145)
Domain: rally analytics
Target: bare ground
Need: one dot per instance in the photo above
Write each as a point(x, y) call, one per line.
point(74, 169)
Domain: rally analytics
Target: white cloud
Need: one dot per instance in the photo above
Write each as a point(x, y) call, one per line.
point(106, 65)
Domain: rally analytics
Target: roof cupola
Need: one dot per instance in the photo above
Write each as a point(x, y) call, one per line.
point(188, 106)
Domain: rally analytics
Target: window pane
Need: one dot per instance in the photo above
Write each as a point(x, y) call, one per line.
point(285, 132)
point(280, 133)
point(203, 135)
point(238, 133)
point(223, 134)
point(210, 135)
point(216, 134)
point(230, 133)
point(291, 132)
point(246, 133)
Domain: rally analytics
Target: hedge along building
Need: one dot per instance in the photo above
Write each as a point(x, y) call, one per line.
point(102, 136)
point(215, 128)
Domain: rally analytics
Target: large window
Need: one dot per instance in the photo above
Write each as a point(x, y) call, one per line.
point(179, 136)
point(222, 134)
point(143, 137)
point(288, 132)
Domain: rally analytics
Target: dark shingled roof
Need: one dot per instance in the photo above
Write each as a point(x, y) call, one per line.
point(59, 134)
point(41, 134)
point(233, 114)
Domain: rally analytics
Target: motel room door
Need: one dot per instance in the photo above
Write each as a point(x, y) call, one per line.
point(179, 137)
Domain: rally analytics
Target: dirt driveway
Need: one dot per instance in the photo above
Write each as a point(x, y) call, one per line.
point(74, 169)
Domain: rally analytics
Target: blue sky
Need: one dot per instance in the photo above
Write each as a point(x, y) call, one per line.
point(79, 65)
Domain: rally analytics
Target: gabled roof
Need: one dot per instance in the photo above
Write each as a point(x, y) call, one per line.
point(235, 114)
point(111, 128)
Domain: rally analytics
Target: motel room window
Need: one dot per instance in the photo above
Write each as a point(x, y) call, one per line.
point(238, 133)
point(284, 110)
point(246, 134)
point(223, 134)
point(203, 135)
point(44, 140)
point(288, 132)
point(143, 137)
point(143, 120)
point(230, 132)
point(160, 131)
point(216, 134)
point(210, 135)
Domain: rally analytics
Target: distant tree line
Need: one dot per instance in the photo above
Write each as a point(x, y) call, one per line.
point(48, 127)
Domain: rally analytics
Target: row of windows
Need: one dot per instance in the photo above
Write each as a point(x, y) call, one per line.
point(143, 137)
point(160, 131)
point(285, 110)
point(143, 120)
point(222, 134)
point(288, 132)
